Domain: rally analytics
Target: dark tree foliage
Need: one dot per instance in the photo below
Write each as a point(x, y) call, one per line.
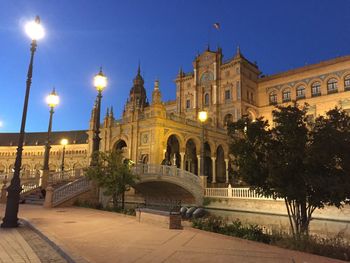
point(112, 173)
point(306, 164)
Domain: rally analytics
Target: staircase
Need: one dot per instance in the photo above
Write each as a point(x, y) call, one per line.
point(34, 198)
point(71, 190)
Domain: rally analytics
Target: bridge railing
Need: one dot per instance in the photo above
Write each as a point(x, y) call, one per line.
point(236, 193)
point(165, 170)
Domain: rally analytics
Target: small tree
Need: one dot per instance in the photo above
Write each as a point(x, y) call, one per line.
point(112, 173)
point(306, 165)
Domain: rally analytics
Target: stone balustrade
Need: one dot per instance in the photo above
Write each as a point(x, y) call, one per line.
point(236, 192)
point(165, 170)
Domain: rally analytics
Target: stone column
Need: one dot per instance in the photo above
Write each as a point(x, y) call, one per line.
point(182, 164)
point(213, 160)
point(199, 164)
point(226, 164)
point(204, 181)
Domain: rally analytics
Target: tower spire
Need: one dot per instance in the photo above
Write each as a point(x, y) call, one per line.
point(139, 69)
point(111, 112)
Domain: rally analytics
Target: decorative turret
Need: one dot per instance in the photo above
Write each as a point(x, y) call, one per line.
point(156, 95)
point(111, 114)
point(93, 115)
point(238, 53)
point(181, 73)
point(138, 97)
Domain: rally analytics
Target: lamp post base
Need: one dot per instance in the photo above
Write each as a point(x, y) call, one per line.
point(11, 220)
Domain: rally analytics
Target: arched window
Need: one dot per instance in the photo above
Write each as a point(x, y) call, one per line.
point(300, 92)
point(273, 98)
point(347, 83)
point(206, 99)
point(316, 89)
point(332, 86)
point(286, 95)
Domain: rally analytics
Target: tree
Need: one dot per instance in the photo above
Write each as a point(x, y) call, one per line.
point(112, 173)
point(308, 165)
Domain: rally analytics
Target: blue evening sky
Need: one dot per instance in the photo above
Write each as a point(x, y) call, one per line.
point(81, 35)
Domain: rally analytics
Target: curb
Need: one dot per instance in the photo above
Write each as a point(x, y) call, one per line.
point(63, 252)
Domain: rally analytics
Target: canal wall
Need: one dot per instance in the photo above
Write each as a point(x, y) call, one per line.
point(275, 207)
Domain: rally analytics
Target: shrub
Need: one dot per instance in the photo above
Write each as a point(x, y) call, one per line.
point(336, 247)
point(236, 228)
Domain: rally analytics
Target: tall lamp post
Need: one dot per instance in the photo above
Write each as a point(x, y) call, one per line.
point(100, 83)
point(202, 116)
point(35, 31)
point(52, 100)
point(64, 142)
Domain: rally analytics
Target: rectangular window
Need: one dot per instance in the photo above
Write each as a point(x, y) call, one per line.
point(347, 84)
point(188, 104)
point(300, 93)
point(273, 99)
point(316, 90)
point(227, 94)
point(286, 96)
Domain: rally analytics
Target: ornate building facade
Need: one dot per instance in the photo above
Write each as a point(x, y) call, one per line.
point(157, 132)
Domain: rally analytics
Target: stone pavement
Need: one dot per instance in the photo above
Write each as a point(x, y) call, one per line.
point(13, 247)
point(88, 235)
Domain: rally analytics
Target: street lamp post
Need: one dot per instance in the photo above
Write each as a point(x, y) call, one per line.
point(64, 142)
point(35, 31)
point(202, 116)
point(52, 100)
point(100, 83)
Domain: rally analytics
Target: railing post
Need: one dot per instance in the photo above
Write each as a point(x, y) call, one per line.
point(48, 197)
point(229, 191)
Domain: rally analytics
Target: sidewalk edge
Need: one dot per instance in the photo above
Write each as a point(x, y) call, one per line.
point(63, 252)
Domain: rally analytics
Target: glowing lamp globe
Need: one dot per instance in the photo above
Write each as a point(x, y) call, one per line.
point(64, 142)
point(100, 81)
point(34, 29)
point(53, 99)
point(202, 116)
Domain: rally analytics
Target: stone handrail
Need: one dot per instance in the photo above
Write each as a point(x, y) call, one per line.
point(68, 175)
point(70, 190)
point(165, 170)
point(236, 192)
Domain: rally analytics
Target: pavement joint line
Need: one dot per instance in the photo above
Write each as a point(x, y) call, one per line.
point(63, 252)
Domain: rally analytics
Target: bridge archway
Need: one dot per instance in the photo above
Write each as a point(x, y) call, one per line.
point(173, 150)
point(155, 190)
point(191, 160)
point(162, 182)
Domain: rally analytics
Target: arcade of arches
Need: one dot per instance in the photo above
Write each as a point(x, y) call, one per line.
point(187, 157)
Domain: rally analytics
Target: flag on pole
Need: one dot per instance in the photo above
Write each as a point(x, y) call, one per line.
point(216, 26)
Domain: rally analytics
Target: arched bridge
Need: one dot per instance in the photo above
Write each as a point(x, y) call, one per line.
point(168, 182)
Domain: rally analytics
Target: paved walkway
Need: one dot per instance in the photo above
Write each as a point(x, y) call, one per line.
point(13, 248)
point(98, 236)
